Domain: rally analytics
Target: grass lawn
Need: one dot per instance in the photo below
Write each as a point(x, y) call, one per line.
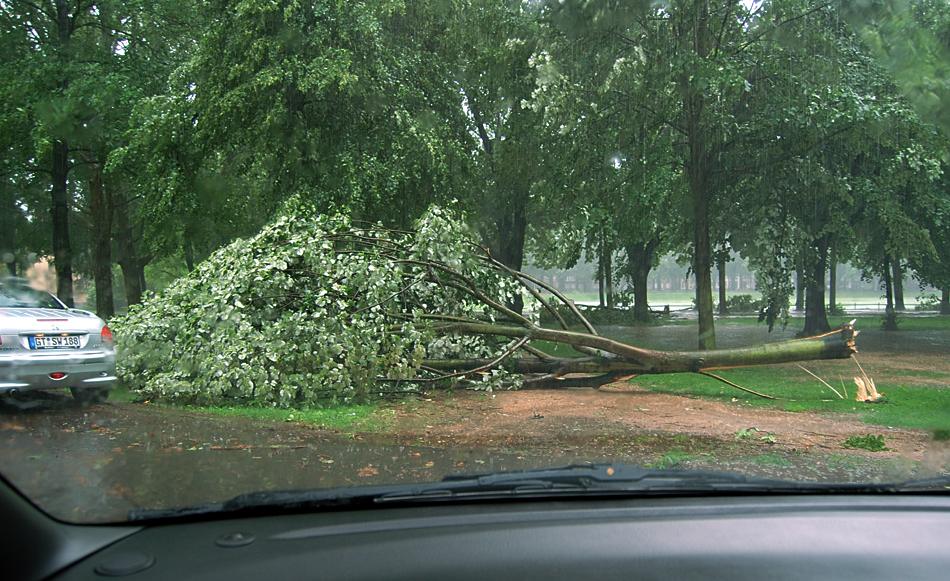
point(904, 323)
point(906, 406)
point(333, 418)
point(346, 417)
point(916, 398)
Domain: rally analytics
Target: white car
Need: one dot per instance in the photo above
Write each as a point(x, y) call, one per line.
point(46, 345)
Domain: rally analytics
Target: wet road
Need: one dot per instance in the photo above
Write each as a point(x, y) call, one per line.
point(95, 464)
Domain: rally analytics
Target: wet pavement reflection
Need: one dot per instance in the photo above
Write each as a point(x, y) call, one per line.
point(94, 464)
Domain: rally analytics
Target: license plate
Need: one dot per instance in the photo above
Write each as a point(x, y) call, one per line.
point(55, 342)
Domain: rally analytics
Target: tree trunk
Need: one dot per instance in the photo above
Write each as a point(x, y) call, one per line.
point(132, 277)
point(8, 242)
point(721, 267)
point(639, 263)
point(508, 244)
point(600, 281)
point(636, 360)
point(890, 316)
point(133, 268)
point(100, 207)
point(189, 251)
point(945, 301)
point(702, 260)
point(693, 94)
point(62, 251)
point(609, 277)
point(898, 282)
point(59, 194)
point(816, 318)
point(833, 282)
point(888, 286)
point(799, 288)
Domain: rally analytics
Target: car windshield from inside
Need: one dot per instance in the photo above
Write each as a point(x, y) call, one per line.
point(307, 253)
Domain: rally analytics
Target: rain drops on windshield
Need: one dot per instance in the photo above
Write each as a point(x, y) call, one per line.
point(305, 245)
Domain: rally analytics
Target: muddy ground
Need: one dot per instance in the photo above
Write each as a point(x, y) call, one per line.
point(96, 463)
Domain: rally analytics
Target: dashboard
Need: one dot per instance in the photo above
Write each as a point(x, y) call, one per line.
point(750, 537)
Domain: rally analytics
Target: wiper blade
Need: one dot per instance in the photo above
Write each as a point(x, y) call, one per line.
point(933, 484)
point(573, 480)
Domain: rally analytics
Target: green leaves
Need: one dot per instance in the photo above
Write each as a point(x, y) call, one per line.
point(301, 314)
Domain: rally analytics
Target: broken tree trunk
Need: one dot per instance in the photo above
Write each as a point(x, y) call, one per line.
point(619, 358)
point(601, 358)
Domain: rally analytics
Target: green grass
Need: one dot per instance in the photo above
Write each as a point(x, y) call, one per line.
point(906, 406)
point(366, 417)
point(335, 418)
point(671, 459)
point(121, 394)
point(904, 323)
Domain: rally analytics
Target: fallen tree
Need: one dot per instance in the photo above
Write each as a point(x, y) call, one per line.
point(316, 308)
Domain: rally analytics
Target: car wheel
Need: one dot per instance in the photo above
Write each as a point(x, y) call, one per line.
point(89, 394)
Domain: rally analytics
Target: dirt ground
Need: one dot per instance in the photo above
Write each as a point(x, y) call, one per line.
point(533, 418)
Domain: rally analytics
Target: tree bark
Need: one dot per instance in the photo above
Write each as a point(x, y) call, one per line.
point(898, 282)
point(816, 318)
point(100, 207)
point(62, 251)
point(945, 301)
point(133, 267)
point(189, 252)
point(639, 263)
point(59, 194)
point(721, 267)
point(697, 171)
point(622, 357)
point(8, 242)
point(833, 281)
point(799, 288)
point(600, 282)
point(508, 243)
point(888, 285)
point(609, 276)
point(890, 316)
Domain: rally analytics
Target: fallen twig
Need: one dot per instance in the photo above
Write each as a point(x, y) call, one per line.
point(735, 385)
point(825, 383)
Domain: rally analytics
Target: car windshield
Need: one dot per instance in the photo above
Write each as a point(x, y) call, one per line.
point(314, 245)
point(23, 297)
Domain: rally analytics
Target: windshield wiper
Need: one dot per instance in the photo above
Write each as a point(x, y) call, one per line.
point(573, 480)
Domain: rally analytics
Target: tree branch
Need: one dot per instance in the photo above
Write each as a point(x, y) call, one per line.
point(513, 346)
